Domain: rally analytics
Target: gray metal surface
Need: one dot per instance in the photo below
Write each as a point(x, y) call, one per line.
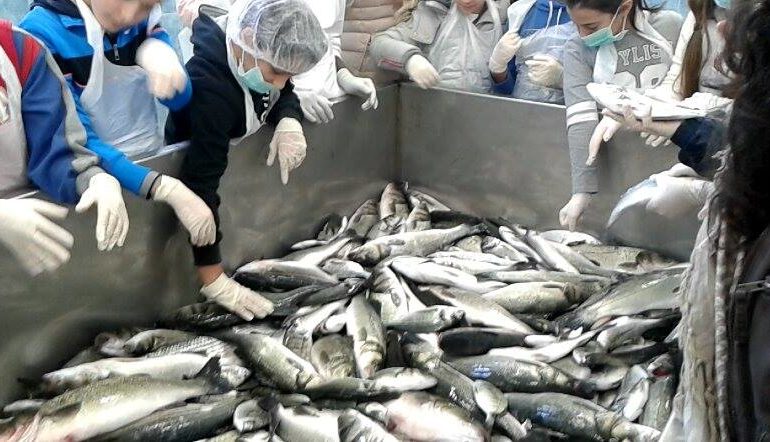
point(46, 320)
point(502, 157)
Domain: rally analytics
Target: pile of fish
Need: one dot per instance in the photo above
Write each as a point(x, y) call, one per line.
point(404, 321)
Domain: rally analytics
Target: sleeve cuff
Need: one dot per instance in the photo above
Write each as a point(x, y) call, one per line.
point(84, 178)
point(147, 183)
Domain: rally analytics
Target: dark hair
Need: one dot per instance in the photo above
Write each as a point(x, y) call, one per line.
point(693, 62)
point(742, 196)
point(610, 6)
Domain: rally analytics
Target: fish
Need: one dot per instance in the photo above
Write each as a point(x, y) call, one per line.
point(385, 227)
point(586, 285)
point(535, 297)
point(348, 388)
point(625, 329)
point(421, 243)
point(343, 269)
point(89, 354)
point(187, 422)
point(581, 263)
point(633, 394)
point(469, 341)
point(490, 400)
point(109, 404)
point(501, 249)
point(568, 365)
point(151, 340)
point(365, 326)
point(624, 259)
point(608, 377)
point(112, 343)
point(333, 356)
point(315, 256)
point(357, 427)
point(428, 272)
point(333, 324)
point(474, 267)
point(569, 238)
point(416, 197)
point(640, 293)
point(514, 240)
point(274, 362)
point(576, 417)
point(549, 353)
point(625, 355)
point(389, 294)
point(205, 345)
point(418, 219)
point(658, 408)
point(345, 289)
point(403, 379)
point(281, 275)
point(513, 375)
point(548, 252)
point(23, 406)
point(249, 416)
point(364, 218)
point(393, 202)
point(298, 336)
point(201, 316)
point(470, 244)
point(258, 436)
point(479, 257)
point(304, 423)
point(424, 417)
point(429, 320)
point(478, 310)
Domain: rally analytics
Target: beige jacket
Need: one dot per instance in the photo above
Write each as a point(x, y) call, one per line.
point(363, 19)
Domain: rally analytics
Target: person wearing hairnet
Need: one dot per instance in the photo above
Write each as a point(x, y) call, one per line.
point(241, 73)
point(444, 43)
point(115, 59)
point(620, 42)
point(42, 144)
point(330, 80)
point(526, 62)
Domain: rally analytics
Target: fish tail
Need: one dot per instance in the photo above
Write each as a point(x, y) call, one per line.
point(211, 374)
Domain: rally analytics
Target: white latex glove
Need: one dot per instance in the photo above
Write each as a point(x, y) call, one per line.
point(111, 215)
point(545, 70)
point(315, 107)
point(362, 87)
point(572, 212)
point(289, 145)
point(192, 212)
point(677, 196)
point(604, 132)
point(504, 51)
point(166, 75)
point(422, 72)
point(28, 232)
point(240, 300)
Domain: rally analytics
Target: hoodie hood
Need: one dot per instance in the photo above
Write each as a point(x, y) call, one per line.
point(61, 7)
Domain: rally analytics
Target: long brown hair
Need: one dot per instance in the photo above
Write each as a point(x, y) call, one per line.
point(693, 62)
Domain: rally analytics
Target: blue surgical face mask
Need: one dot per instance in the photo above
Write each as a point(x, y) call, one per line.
point(254, 80)
point(604, 36)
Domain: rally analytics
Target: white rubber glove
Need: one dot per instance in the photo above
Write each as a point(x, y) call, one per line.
point(504, 51)
point(27, 230)
point(315, 107)
point(604, 132)
point(362, 87)
point(289, 145)
point(111, 215)
point(572, 212)
point(545, 70)
point(240, 300)
point(192, 212)
point(422, 72)
point(677, 196)
point(166, 75)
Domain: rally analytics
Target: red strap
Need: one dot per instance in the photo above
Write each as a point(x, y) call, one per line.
point(6, 43)
point(29, 51)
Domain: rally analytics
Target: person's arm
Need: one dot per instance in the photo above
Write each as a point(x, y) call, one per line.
point(582, 117)
point(287, 106)
point(58, 161)
point(180, 99)
point(699, 139)
point(669, 88)
point(392, 48)
point(504, 86)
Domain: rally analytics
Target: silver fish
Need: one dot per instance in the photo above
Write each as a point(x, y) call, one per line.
point(514, 240)
point(364, 218)
point(276, 363)
point(418, 219)
point(427, 272)
point(633, 394)
point(343, 269)
point(404, 379)
point(150, 340)
point(429, 320)
point(365, 326)
point(625, 329)
point(285, 275)
point(549, 353)
point(393, 202)
point(420, 416)
point(535, 297)
point(249, 416)
point(389, 294)
point(316, 255)
point(569, 238)
point(207, 345)
point(550, 254)
point(299, 329)
point(624, 259)
point(416, 197)
point(470, 244)
point(608, 378)
point(490, 400)
point(304, 423)
point(658, 408)
point(333, 356)
point(502, 249)
point(357, 427)
point(333, 324)
point(580, 262)
point(385, 227)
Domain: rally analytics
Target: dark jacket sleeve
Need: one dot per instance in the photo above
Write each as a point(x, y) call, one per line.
point(699, 139)
point(287, 106)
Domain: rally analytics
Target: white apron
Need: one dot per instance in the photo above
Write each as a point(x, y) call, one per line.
point(118, 98)
point(322, 78)
point(13, 139)
point(461, 51)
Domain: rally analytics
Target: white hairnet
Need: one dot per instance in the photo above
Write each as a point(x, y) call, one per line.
point(284, 33)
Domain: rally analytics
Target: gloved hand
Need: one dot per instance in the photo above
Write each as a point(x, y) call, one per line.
point(504, 51)
point(194, 214)
point(188, 11)
point(422, 72)
point(676, 196)
point(604, 132)
point(362, 87)
point(166, 75)
point(572, 212)
point(111, 215)
point(289, 145)
point(240, 300)
point(315, 107)
point(26, 229)
point(545, 70)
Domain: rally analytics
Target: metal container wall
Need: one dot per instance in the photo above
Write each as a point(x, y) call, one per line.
point(46, 320)
point(481, 154)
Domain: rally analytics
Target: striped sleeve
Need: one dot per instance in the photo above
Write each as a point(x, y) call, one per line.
point(582, 116)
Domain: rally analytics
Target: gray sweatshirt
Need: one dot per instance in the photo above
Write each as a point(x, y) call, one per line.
point(640, 63)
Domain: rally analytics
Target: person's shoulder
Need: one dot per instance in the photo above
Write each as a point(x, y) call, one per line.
point(666, 18)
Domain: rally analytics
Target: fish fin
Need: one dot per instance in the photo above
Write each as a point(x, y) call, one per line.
point(211, 374)
point(273, 406)
point(62, 411)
